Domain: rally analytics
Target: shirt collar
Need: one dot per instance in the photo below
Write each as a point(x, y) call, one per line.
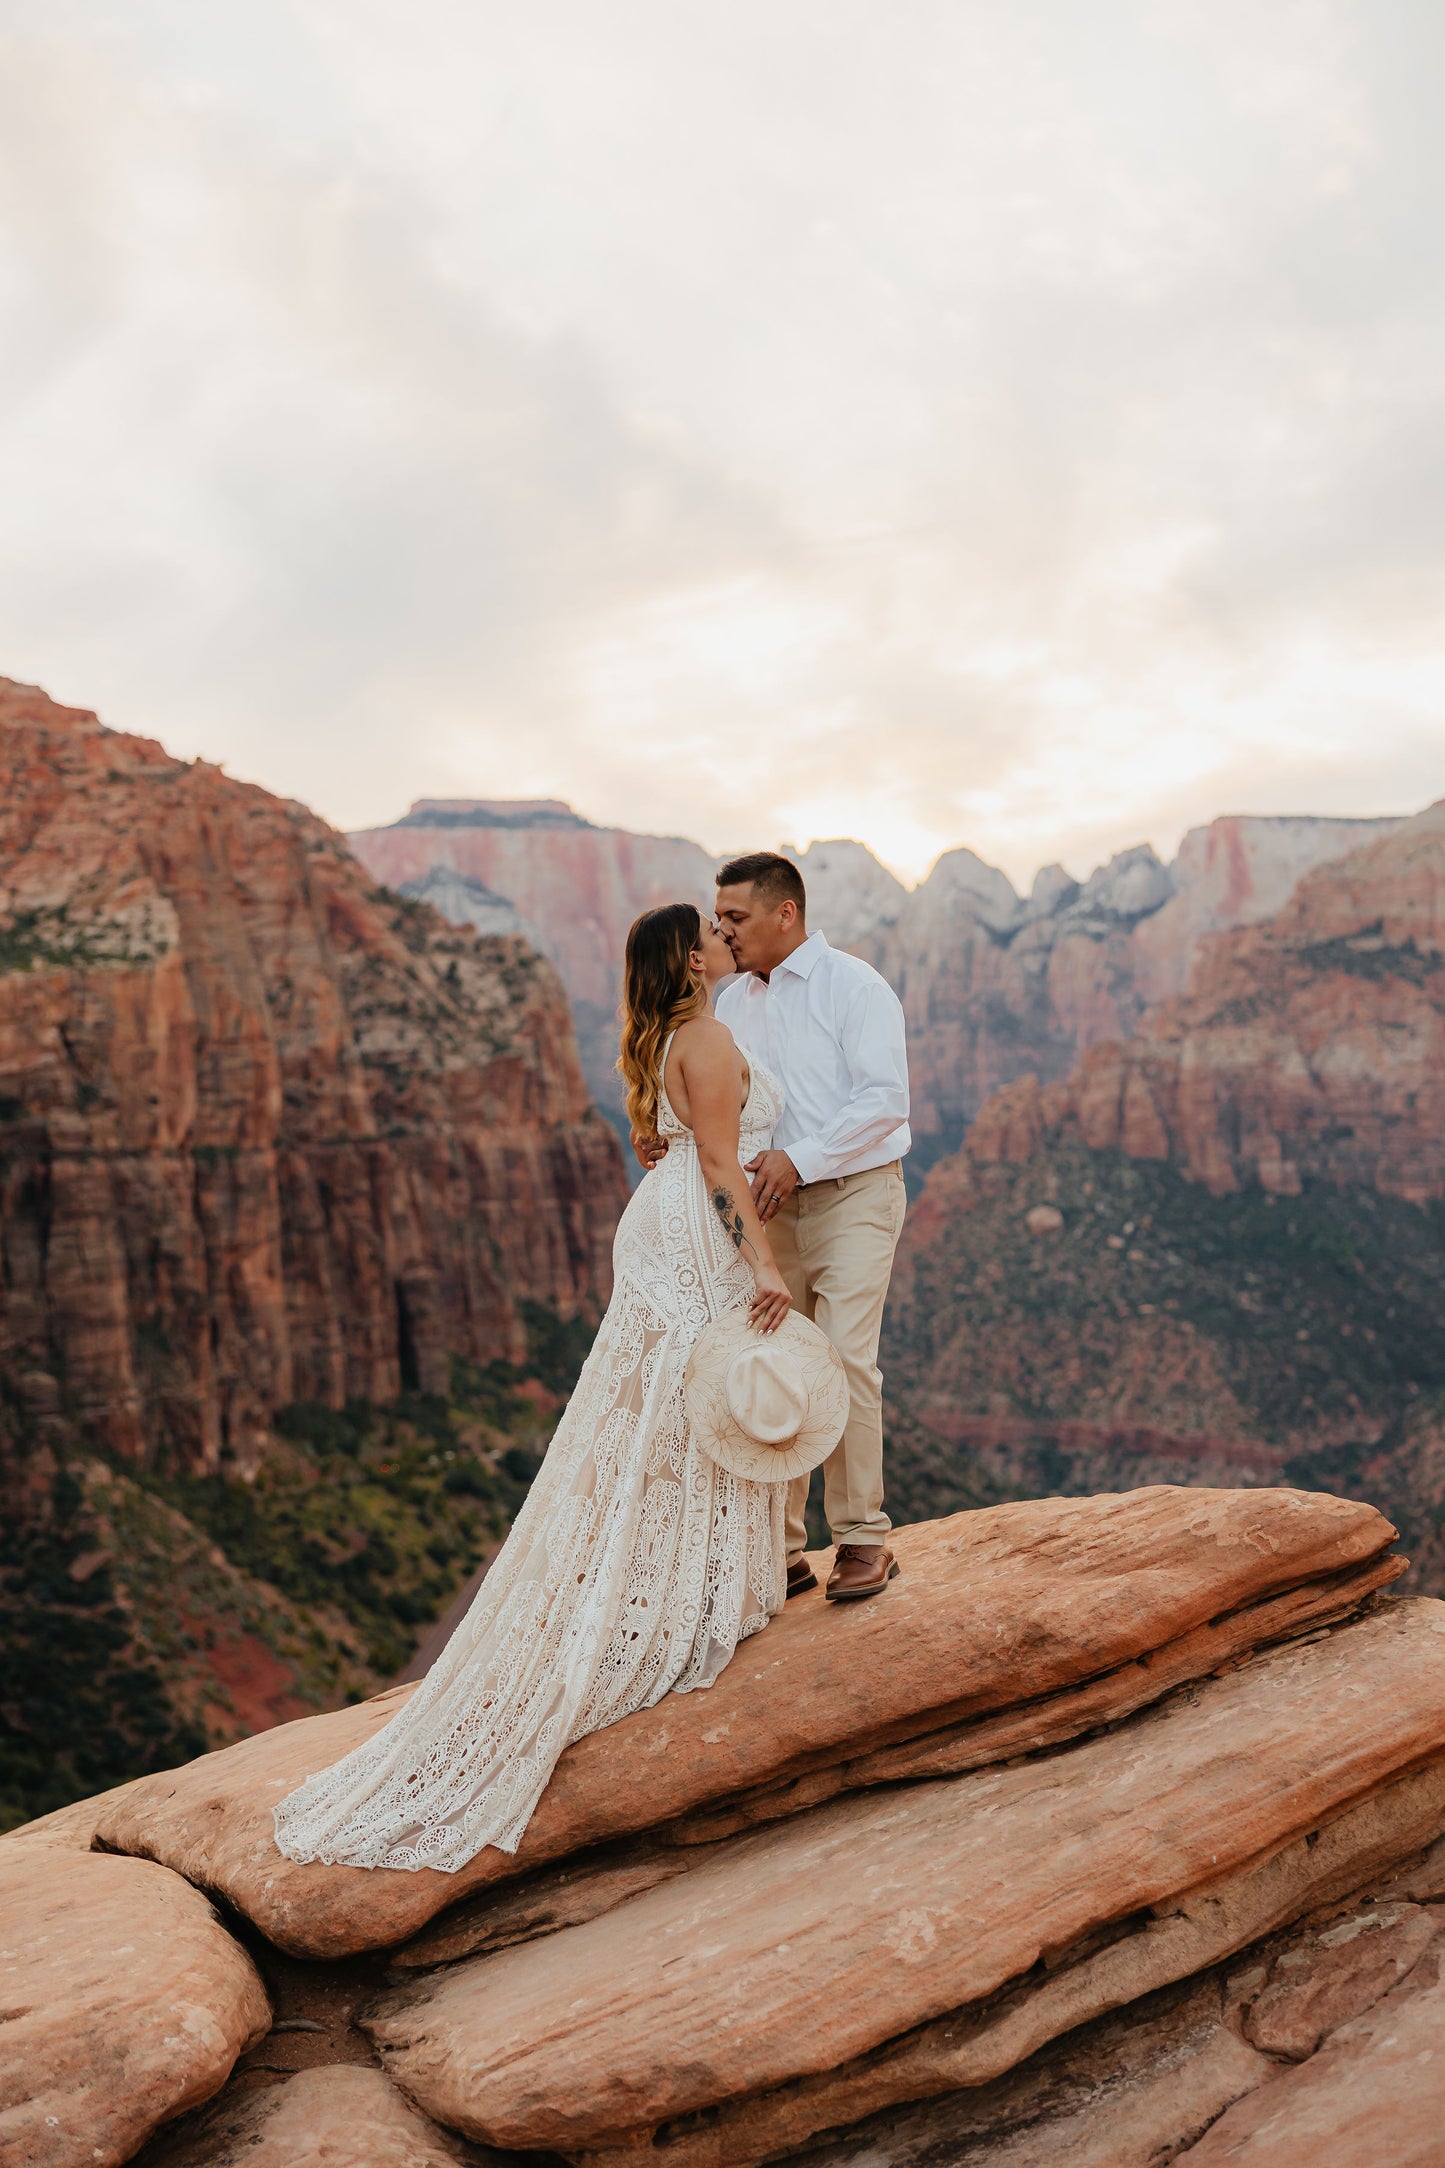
point(804, 956)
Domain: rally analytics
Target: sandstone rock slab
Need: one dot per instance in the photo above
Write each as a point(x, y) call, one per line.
point(125, 2001)
point(72, 1828)
point(1326, 1980)
point(1373, 2094)
point(558, 1897)
point(1134, 2088)
point(337, 2118)
point(1005, 2036)
point(1418, 1881)
point(1174, 1942)
point(1053, 1719)
point(803, 1949)
point(993, 1608)
point(583, 1888)
point(1124, 2094)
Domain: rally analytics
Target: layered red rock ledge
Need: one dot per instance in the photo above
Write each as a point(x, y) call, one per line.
point(1112, 1822)
point(993, 1610)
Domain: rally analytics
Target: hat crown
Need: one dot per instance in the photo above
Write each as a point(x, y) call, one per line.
point(767, 1394)
point(765, 1406)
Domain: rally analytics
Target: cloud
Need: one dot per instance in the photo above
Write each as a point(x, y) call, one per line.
point(942, 424)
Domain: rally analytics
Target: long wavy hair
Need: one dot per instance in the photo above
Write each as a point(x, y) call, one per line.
point(658, 993)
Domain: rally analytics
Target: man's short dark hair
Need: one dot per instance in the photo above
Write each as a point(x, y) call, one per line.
point(772, 878)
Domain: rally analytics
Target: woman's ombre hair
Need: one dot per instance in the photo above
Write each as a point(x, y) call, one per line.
point(659, 991)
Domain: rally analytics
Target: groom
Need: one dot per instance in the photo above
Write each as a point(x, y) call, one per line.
point(830, 1190)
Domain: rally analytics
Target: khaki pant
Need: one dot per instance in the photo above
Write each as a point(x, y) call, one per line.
point(834, 1243)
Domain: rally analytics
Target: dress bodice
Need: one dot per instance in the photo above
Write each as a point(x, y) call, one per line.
point(761, 1113)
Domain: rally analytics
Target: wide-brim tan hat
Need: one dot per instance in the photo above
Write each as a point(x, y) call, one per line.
point(767, 1406)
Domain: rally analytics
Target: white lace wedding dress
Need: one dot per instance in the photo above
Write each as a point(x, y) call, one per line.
point(633, 1570)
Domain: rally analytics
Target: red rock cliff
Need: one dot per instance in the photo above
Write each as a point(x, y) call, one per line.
point(575, 890)
point(268, 1134)
point(580, 886)
point(1313, 1045)
point(1216, 1251)
point(996, 987)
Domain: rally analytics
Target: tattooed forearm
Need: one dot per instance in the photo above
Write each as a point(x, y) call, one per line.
point(732, 1219)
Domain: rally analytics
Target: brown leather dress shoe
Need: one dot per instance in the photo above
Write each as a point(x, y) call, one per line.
point(800, 1576)
point(860, 1569)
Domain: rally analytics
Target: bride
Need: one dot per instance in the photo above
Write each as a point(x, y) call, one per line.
point(637, 1563)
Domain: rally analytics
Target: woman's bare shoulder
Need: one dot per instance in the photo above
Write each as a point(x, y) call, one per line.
point(703, 1038)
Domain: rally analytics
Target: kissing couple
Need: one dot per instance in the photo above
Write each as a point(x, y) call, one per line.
point(738, 1352)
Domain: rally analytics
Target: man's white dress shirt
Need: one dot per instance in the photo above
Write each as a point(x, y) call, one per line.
point(831, 1031)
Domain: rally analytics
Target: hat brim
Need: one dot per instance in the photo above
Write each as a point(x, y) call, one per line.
point(716, 1430)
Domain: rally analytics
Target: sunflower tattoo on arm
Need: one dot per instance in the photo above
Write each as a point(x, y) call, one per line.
point(725, 1206)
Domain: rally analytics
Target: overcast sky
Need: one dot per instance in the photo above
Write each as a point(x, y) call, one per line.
point(1011, 422)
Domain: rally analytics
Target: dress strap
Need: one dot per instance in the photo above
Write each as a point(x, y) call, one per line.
point(662, 1099)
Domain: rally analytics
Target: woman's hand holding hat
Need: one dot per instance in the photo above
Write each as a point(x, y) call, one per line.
point(767, 1406)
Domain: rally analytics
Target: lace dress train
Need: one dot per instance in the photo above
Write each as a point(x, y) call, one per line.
point(633, 1570)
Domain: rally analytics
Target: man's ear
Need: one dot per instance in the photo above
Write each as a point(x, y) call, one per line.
point(787, 914)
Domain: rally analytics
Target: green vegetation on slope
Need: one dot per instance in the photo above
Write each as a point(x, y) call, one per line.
point(926, 1479)
point(1291, 1320)
point(378, 1512)
point(51, 937)
point(81, 1708)
point(1403, 1473)
point(1160, 1333)
point(147, 1617)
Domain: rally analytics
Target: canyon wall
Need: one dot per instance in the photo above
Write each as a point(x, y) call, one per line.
point(995, 986)
point(575, 889)
point(267, 1134)
point(1309, 1046)
point(1215, 1252)
point(579, 886)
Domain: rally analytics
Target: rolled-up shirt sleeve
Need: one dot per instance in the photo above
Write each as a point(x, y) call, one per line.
point(872, 1037)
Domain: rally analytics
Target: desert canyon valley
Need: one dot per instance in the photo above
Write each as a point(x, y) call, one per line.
point(312, 1156)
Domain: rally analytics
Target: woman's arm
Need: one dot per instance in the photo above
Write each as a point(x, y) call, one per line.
point(708, 1057)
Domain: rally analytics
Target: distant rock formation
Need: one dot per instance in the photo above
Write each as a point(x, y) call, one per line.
point(1313, 1045)
point(995, 986)
point(1237, 872)
point(1140, 1803)
point(850, 895)
point(574, 887)
point(269, 1135)
point(491, 813)
point(468, 902)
